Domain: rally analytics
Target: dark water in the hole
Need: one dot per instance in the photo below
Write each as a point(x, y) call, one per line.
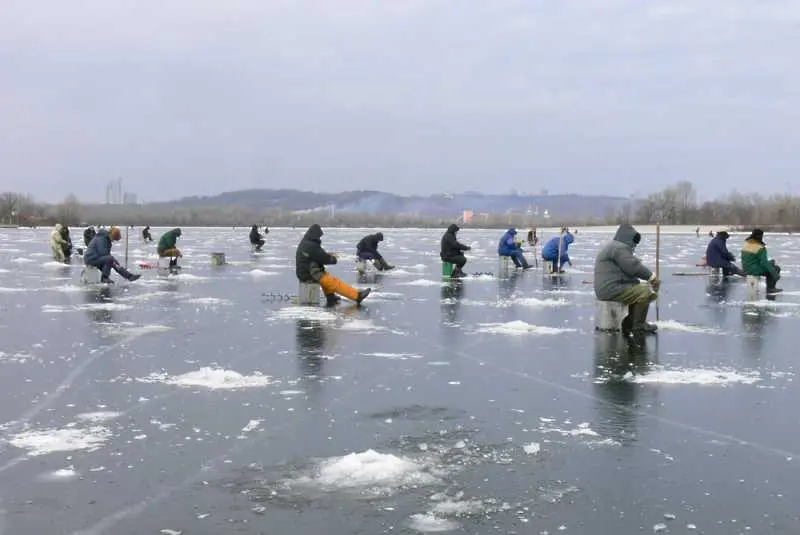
point(194, 404)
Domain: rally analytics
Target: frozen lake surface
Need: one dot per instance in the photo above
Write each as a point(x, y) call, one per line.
point(194, 404)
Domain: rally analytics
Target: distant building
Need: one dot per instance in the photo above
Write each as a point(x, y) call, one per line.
point(129, 198)
point(467, 216)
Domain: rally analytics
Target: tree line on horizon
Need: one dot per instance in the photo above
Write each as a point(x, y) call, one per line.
point(674, 205)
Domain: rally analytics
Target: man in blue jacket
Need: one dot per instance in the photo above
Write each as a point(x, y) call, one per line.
point(550, 252)
point(98, 254)
point(508, 246)
point(718, 256)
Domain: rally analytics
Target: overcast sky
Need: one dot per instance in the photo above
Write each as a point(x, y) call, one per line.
point(185, 97)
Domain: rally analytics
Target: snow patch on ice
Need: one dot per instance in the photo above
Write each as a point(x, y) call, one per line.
point(372, 469)
point(261, 273)
point(422, 282)
point(520, 327)
point(672, 325)
point(303, 313)
point(393, 356)
point(385, 296)
point(211, 378)
point(533, 302)
point(696, 376)
point(44, 441)
point(430, 523)
point(209, 301)
point(98, 416)
point(14, 357)
point(358, 325)
point(532, 449)
point(5, 290)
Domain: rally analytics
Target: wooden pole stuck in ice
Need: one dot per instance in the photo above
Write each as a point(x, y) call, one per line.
point(658, 267)
point(127, 228)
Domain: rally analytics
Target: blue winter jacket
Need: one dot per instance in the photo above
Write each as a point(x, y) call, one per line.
point(99, 247)
point(550, 249)
point(717, 254)
point(507, 245)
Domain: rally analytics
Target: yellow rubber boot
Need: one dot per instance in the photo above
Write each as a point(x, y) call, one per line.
point(332, 285)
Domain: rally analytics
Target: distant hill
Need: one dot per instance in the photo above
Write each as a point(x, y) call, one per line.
point(381, 203)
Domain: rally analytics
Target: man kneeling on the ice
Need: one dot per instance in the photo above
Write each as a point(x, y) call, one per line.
point(310, 262)
point(718, 256)
point(617, 276)
point(509, 246)
point(756, 261)
point(367, 249)
point(452, 251)
point(98, 254)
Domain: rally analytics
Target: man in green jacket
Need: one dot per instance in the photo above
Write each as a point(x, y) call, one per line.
point(167, 248)
point(755, 261)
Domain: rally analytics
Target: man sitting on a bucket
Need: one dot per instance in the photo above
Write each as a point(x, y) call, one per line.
point(617, 276)
point(558, 244)
point(167, 246)
point(756, 262)
point(98, 254)
point(452, 251)
point(310, 262)
point(367, 249)
point(511, 247)
point(718, 256)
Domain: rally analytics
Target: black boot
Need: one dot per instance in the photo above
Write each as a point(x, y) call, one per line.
point(331, 300)
point(106, 280)
point(362, 294)
point(627, 322)
point(639, 313)
point(127, 274)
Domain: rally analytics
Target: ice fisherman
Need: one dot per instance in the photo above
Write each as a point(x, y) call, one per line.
point(510, 246)
point(88, 234)
point(718, 256)
point(756, 261)
point(452, 251)
point(256, 238)
point(167, 246)
point(62, 247)
point(146, 236)
point(533, 239)
point(310, 262)
point(367, 249)
point(617, 276)
point(557, 244)
point(98, 254)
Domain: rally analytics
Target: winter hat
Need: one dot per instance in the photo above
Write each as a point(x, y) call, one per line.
point(756, 235)
point(116, 235)
point(723, 235)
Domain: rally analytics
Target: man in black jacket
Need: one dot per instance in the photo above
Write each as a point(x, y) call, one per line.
point(453, 250)
point(310, 262)
point(256, 238)
point(367, 249)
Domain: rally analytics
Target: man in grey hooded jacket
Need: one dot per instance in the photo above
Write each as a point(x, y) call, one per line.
point(617, 277)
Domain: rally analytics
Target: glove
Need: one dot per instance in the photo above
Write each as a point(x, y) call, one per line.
point(656, 284)
point(467, 248)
